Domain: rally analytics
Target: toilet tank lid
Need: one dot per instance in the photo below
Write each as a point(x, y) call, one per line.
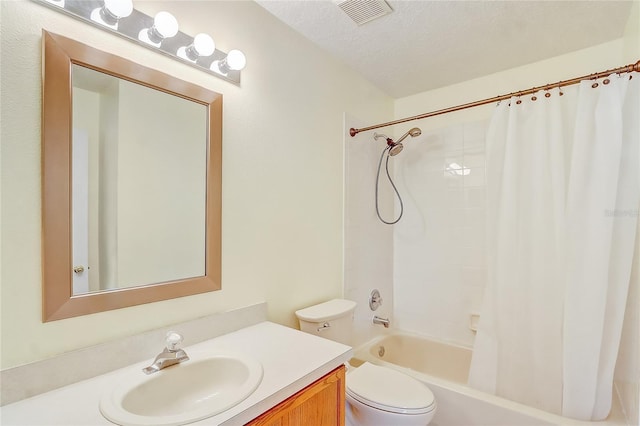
point(327, 311)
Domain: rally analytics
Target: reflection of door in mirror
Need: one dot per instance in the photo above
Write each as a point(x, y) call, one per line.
point(80, 211)
point(139, 163)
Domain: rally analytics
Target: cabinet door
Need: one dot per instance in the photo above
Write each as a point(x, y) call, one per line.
point(319, 404)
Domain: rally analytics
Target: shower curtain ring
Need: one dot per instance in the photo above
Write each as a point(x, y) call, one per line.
point(518, 101)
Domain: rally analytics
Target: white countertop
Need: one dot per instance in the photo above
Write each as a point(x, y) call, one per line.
point(290, 358)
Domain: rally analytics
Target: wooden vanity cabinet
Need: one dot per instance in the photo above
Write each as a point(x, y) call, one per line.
point(319, 404)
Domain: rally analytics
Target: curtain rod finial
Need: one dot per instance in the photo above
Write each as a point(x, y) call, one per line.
point(636, 67)
point(354, 132)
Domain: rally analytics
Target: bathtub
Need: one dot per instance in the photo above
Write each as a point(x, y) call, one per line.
point(444, 369)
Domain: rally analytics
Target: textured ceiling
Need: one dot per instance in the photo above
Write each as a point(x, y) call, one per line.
point(423, 45)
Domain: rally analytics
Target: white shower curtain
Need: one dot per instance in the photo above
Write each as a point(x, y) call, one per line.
point(562, 207)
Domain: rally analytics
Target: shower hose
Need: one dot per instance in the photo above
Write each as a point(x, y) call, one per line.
point(386, 151)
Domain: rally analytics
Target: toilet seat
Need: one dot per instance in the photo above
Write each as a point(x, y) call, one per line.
point(389, 390)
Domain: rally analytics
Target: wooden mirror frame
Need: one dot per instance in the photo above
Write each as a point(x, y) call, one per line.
point(58, 301)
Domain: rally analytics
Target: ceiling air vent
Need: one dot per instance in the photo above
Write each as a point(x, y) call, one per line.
point(363, 11)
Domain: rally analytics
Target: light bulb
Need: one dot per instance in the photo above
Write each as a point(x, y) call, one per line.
point(165, 24)
point(119, 8)
point(236, 60)
point(111, 12)
point(203, 44)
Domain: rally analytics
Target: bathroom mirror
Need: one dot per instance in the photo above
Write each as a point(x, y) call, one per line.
point(131, 183)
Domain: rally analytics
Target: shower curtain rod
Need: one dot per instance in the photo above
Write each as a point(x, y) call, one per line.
point(626, 68)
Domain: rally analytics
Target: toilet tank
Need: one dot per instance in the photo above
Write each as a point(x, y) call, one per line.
point(332, 320)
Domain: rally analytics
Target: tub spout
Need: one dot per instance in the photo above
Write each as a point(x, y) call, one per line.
point(382, 321)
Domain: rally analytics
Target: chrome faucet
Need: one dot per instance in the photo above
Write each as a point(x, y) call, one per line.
point(381, 321)
point(171, 354)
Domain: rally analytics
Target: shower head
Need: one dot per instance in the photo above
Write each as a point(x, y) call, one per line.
point(396, 149)
point(412, 132)
point(390, 143)
point(377, 136)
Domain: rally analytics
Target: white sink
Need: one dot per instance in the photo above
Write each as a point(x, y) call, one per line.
point(187, 392)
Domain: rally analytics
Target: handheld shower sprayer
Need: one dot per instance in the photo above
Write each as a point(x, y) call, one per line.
point(412, 132)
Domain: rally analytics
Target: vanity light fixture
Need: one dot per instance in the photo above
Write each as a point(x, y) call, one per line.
point(165, 25)
point(201, 46)
point(111, 12)
point(159, 32)
point(58, 3)
point(235, 60)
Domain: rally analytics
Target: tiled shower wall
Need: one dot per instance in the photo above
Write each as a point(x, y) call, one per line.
point(430, 266)
point(439, 245)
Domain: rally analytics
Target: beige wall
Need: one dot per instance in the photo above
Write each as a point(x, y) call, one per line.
point(632, 33)
point(282, 171)
point(593, 59)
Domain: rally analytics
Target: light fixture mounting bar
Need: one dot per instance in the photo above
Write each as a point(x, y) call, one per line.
point(129, 28)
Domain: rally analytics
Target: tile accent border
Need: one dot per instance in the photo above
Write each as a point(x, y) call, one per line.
point(42, 376)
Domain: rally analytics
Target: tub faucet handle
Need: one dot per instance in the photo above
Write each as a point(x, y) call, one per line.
point(375, 300)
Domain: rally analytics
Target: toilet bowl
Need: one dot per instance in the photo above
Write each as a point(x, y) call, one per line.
point(380, 396)
point(375, 395)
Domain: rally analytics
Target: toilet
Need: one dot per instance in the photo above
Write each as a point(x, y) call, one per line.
point(376, 395)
